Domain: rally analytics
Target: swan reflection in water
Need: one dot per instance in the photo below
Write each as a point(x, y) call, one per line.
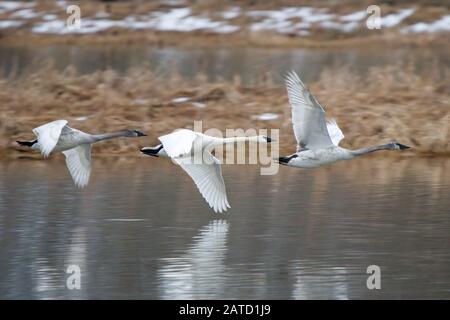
point(313, 282)
point(200, 271)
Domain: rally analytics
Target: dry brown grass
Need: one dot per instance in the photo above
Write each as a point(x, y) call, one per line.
point(390, 103)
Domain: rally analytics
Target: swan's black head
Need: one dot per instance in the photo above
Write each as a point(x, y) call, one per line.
point(152, 151)
point(139, 134)
point(402, 146)
point(268, 139)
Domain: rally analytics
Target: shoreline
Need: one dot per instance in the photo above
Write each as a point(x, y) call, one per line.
point(208, 40)
point(33, 155)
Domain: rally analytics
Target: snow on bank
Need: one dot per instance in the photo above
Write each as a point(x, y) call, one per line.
point(7, 6)
point(394, 19)
point(178, 19)
point(281, 20)
point(300, 21)
point(266, 116)
point(25, 14)
point(344, 27)
point(231, 13)
point(354, 17)
point(440, 25)
point(6, 24)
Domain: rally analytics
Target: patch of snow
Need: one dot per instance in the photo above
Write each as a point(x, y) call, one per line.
point(13, 5)
point(49, 17)
point(25, 14)
point(87, 26)
point(177, 19)
point(440, 25)
point(180, 20)
point(180, 100)
point(280, 20)
point(173, 2)
point(393, 19)
point(81, 118)
point(226, 29)
point(62, 4)
point(102, 15)
point(93, 26)
point(231, 13)
point(280, 26)
point(139, 102)
point(306, 14)
point(53, 26)
point(267, 116)
point(344, 27)
point(198, 104)
point(354, 17)
point(5, 24)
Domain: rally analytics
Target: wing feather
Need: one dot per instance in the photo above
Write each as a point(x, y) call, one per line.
point(334, 131)
point(48, 135)
point(178, 143)
point(208, 178)
point(78, 161)
point(308, 116)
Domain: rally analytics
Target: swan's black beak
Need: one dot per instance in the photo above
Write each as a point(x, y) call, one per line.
point(268, 139)
point(140, 134)
point(402, 146)
point(151, 151)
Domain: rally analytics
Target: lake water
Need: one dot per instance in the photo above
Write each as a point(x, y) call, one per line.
point(251, 64)
point(141, 230)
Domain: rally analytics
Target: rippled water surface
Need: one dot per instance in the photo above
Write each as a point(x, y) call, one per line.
point(141, 230)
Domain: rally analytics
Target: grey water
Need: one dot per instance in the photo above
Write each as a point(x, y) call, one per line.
point(250, 64)
point(141, 230)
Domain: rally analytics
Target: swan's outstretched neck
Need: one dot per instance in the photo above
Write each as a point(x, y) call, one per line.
point(244, 139)
point(107, 136)
point(387, 146)
point(124, 133)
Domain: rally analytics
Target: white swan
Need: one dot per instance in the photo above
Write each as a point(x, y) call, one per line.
point(317, 138)
point(192, 151)
point(56, 136)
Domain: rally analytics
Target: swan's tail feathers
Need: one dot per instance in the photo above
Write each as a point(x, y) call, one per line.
point(27, 143)
point(285, 160)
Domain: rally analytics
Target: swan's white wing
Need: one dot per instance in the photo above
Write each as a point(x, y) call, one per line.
point(48, 135)
point(178, 143)
point(208, 178)
point(334, 131)
point(308, 116)
point(78, 161)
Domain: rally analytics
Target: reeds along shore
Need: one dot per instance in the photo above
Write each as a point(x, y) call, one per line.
point(389, 103)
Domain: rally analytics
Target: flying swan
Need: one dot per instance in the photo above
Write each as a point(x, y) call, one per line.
point(318, 139)
point(57, 136)
point(192, 152)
